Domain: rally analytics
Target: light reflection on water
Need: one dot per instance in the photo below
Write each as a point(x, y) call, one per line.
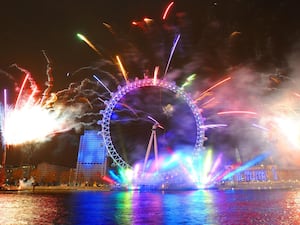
point(183, 207)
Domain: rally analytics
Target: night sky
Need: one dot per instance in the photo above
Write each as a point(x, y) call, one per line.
point(215, 36)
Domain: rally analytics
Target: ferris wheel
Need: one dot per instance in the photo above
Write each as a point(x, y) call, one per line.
point(139, 84)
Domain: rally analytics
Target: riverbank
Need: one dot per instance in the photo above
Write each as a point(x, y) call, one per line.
point(43, 189)
point(269, 185)
point(225, 186)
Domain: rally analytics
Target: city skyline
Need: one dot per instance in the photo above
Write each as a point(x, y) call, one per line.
point(216, 37)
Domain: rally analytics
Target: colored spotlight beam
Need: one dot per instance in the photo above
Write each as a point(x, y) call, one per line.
point(246, 165)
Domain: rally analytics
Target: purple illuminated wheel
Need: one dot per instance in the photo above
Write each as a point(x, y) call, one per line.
point(138, 84)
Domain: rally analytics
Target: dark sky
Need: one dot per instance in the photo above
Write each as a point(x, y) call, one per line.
point(28, 27)
point(225, 33)
point(31, 26)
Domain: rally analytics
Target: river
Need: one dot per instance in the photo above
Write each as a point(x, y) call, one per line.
point(212, 207)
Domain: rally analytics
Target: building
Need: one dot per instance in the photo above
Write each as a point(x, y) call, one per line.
point(49, 174)
point(262, 177)
point(15, 173)
point(91, 161)
point(259, 173)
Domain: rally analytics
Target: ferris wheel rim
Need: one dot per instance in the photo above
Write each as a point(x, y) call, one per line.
point(138, 84)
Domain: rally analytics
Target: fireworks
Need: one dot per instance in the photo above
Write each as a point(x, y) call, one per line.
point(34, 118)
point(237, 112)
point(29, 123)
point(167, 10)
point(90, 44)
point(122, 68)
point(27, 120)
point(177, 170)
point(203, 94)
point(172, 52)
point(232, 105)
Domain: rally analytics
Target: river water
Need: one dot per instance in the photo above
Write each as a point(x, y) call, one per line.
point(182, 207)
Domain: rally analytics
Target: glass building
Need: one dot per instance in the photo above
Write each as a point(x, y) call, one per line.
point(91, 161)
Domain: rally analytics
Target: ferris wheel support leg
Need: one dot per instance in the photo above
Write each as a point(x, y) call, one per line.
point(148, 151)
point(155, 151)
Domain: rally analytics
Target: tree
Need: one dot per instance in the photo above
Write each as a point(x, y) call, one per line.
point(50, 178)
point(17, 174)
point(36, 174)
point(64, 177)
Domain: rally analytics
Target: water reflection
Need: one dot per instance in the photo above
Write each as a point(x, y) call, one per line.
point(25, 209)
point(256, 207)
point(92, 208)
point(189, 207)
point(147, 208)
point(124, 212)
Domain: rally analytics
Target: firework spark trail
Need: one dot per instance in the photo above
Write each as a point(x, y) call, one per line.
point(109, 27)
point(17, 104)
point(50, 80)
point(143, 24)
point(155, 75)
point(106, 88)
point(147, 20)
point(101, 100)
point(128, 107)
point(9, 76)
point(172, 52)
point(213, 126)
point(33, 86)
point(167, 10)
point(124, 73)
point(260, 127)
point(212, 87)
point(188, 81)
point(96, 69)
point(82, 37)
point(205, 104)
point(237, 112)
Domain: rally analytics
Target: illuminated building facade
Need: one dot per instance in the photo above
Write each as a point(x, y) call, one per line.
point(263, 177)
point(49, 174)
point(91, 161)
point(256, 174)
